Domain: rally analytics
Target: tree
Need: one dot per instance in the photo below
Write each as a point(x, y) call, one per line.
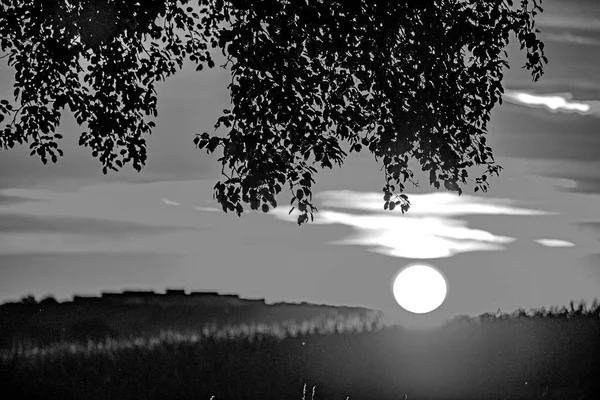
point(408, 79)
point(28, 299)
point(49, 300)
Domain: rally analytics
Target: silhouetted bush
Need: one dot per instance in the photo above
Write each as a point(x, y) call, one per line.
point(48, 301)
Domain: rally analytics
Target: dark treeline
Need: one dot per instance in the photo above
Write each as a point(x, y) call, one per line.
point(42, 324)
point(548, 354)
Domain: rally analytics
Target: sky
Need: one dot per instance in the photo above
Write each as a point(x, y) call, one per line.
point(532, 240)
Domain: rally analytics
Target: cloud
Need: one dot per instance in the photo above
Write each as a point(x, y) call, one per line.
point(426, 231)
point(554, 243)
point(555, 21)
point(556, 103)
point(136, 203)
point(566, 183)
point(110, 217)
point(170, 202)
point(207, 209)
point(568, 175)
point(23, 233)
point(570, 38)
point(21, 223)
point(428, 204)
point(6, 200)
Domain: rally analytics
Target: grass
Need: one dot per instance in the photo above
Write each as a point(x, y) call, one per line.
point(345, 357)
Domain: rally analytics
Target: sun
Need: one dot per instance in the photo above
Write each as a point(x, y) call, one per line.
point(419, 288)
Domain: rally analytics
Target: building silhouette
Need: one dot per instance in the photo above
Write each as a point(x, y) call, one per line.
point(172, 297)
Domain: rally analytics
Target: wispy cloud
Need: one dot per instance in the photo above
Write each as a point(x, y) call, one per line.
point(556, 103)
point(428, 230)
point(170, 202)
point(571, 38)
point(580, 22)
point(10, 200)
point(22, 223)
point(207, 209)
point(554, 243)
point(566, 183)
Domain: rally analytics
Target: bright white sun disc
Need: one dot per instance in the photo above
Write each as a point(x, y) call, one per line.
point(419, 289)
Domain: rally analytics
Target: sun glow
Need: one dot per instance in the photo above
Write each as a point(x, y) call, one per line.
point(419, 289)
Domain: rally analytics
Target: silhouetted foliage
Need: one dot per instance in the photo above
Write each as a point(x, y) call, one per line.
point(48, 301)
point(410, 79)
point(28, 299)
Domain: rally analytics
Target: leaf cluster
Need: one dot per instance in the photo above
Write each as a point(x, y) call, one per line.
point(410, 79)
point(102, 59)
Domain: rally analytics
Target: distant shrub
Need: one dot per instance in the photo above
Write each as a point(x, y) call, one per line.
point(48, 301)
point(28, 299)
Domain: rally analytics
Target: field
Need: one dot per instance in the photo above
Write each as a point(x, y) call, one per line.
point(541, 354)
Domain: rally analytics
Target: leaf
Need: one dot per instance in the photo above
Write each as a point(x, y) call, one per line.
point(302, 218)
point(212, 144)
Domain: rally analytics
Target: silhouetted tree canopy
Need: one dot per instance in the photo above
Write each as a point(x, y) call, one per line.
point(405, 79)
point(48, 301)
point(28, 299)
